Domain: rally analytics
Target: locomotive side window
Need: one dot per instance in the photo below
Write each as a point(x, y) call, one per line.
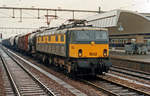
point(72, 37)
point(62, 38)
point(49, 38)
point(42, 38)
point(56, 38)
point(46, 39)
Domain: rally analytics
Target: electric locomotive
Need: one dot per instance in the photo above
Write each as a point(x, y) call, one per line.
point(77, 48)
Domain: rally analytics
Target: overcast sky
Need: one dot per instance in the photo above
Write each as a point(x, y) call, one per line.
point(106, 5)
point(139, 5)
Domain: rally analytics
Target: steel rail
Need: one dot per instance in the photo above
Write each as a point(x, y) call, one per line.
point(49, 92)
point(141, 65)
point(99, 88)
point(59, 81)
point(117, 69)
point(111, 93)
point(12, 81)
point(125, 86)
point(129, 69)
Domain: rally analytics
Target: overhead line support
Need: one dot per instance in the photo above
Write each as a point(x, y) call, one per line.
point(69, 10)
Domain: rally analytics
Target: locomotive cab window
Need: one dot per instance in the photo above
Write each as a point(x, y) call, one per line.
point(88, 35)
point(100, 35)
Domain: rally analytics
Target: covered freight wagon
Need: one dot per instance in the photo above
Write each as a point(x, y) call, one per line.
point(23, 42)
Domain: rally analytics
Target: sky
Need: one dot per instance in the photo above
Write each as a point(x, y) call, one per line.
point(139, 5)
point(142, 6)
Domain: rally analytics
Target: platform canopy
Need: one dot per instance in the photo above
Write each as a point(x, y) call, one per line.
point(122, 22)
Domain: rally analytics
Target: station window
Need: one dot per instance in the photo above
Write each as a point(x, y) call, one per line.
point(56, 38)
point(62, 38)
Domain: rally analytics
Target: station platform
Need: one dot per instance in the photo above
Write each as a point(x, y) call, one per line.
point(117, 53)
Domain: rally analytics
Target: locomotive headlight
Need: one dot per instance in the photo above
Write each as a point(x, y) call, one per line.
point(92, 43)
point(80, 52)
point(105, 52)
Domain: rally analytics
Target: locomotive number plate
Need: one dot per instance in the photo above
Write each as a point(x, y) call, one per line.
point(93, 54)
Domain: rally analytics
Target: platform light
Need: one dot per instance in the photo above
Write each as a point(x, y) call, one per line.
point(120, 27)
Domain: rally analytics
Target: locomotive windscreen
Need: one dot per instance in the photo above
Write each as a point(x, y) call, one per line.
point(88, 35)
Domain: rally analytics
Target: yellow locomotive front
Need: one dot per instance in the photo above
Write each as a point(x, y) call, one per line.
point(89, 50)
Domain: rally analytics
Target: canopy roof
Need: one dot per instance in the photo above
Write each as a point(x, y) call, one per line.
point(122, 22)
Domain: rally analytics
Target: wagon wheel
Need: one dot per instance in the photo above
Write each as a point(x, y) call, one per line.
point(139, 52)
point(45, 60)
point(131, 53)
point(125, 52)
point(74, 71)
point(72, 74)
point(50, 60)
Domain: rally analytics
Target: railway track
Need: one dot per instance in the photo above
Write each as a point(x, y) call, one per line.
point(112, 88)
point(129, 63)
point(134, 73)
point(8, 87)
point(73, 91)
point(22, 81)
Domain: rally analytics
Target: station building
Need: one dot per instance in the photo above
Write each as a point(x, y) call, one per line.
point(124, 26)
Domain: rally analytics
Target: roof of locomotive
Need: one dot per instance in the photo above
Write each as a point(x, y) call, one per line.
point(87, 28)
point(64, 30)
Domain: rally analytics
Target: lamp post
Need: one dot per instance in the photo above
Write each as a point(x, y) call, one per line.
point(120, 27)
